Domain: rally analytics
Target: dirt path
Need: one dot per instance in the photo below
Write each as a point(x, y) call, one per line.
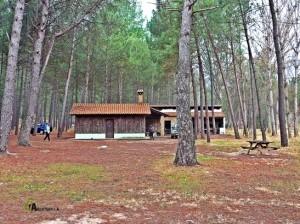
point(240, 189)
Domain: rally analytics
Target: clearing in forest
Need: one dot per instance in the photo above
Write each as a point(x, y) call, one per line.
point(135, 182)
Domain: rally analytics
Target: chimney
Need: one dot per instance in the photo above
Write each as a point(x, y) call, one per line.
point(140, 93)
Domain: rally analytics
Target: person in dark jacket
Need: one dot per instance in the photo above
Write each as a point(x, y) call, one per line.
point(47, 131)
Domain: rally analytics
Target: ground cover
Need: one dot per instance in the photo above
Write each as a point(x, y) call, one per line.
point(130, 181)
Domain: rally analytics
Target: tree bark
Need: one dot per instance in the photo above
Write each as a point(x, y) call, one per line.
point(45, 106)
point(2, 62)
point(15, 102)
point(296, 132)
point(281, 107)
point(235, 128)
point(35, 76)
point(8, 94)
point(62, 118)
point(186, 153)
point(243, 92)
point(211, 76)
point(19, 103)
point(50, 117)
point(253, 117)
point(202, 77)
point(271, 104)
point(196, 114)
point(201, 71)
point(287, 105)
point(242, 113)
point(87, 74)
point(202, 132)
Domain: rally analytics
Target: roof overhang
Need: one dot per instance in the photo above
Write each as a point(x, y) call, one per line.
point(110, 109)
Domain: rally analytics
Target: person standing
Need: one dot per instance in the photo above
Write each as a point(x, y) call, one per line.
point(47, 132)
point(151, 132)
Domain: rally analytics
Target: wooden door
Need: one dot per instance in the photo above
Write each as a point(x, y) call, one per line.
point(109, 133)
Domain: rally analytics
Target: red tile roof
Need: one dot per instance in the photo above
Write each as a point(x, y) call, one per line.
point(109, 109)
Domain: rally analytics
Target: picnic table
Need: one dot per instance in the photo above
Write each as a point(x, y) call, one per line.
point(257, 145)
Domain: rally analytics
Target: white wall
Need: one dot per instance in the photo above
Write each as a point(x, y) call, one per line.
point(89, 136)
point(129, 135)
point(116, 136)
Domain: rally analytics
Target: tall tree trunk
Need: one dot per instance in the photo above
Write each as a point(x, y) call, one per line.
point(186, 152)
point(87, 74)
point(55, 109)
point(296, 132)
point(275, 109)
point(152, 89)
point(62, 118)
point(35, 76)
point(253, 117)
point(2, 62)
point(287, 105)
point(47, 57)
point(9, 88)
point(19, 103)
point(15, 102)
point(211, 76)
point(271, 104)
point(50, 117)
point(201, 71)
point(262, 126)
point(272, 113)
point(281, 107)
point(169, 92)
point(107, 96)
point(202, 77)
point(76, 80)
point(196, 114)
point(121, 76)
point(243, 92)
point(38, 115)
point(235, 128)
point(202, 132)
point(242, 113)
point(45, 105)
point(206, 109)
point(1, 74)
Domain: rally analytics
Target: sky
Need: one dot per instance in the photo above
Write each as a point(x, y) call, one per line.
point(147, 7)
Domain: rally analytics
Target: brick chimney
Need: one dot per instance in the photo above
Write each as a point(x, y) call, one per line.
point(140, 93)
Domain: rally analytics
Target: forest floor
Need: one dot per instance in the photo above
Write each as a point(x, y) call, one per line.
point(136, 182)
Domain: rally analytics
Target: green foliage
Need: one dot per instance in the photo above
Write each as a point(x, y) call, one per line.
point(164, 29)
point(119, 51)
